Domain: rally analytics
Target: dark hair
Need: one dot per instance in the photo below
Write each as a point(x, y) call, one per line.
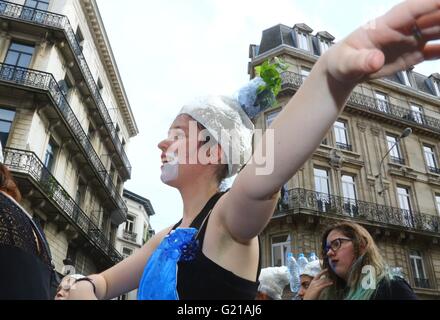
point(222, 171)
point(7, 183)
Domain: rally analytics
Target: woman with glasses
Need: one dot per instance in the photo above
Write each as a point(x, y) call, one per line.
point(354, 269)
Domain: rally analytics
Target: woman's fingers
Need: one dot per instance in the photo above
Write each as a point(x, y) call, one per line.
point(404, 15)
point(358, 63)
point(431, 51)
point(319, 275)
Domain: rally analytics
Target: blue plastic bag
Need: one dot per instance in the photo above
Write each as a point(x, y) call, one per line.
point(159, 280)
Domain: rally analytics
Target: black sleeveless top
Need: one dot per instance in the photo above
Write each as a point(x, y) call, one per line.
point(203, 279)
point(25, 270)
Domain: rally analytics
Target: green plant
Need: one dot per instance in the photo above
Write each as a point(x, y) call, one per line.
point(270, 72)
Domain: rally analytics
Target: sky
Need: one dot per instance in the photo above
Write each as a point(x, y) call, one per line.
point(170, 51)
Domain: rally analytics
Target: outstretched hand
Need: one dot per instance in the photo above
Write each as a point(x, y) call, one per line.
point(393, 42)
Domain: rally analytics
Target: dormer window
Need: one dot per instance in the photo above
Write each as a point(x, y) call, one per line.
point(405, 78)
point(323, 45)
point(303, 41)
point(436, 88)
point(324, 42)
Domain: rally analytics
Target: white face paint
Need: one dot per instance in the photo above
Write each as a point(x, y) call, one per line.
point(170, 170)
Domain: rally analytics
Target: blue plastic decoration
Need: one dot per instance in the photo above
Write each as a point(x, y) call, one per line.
point(159, 280)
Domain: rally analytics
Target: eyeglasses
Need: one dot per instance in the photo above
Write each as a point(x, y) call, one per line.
point(335, 245)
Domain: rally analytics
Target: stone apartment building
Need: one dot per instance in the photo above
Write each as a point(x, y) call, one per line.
point(367, 169)
point(65, 125)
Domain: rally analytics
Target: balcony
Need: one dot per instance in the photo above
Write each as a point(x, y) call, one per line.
point(398, 160)
point(293, 81)
point(344, 146)
point(44, 19)
point(434, 170)
point(421, 283)
point(129, 235)
point(45, 82)
point(26, 164)
point(301, 201)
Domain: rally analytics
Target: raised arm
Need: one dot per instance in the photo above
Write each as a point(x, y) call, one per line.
point(393, 42)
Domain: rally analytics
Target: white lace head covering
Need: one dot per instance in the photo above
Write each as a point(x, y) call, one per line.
point(312, 269)
point(228, 124)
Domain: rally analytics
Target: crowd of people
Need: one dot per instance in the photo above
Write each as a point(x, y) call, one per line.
point(348, 251)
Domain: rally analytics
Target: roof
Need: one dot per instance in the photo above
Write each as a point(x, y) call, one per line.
point(281, 34)
point(141, 200)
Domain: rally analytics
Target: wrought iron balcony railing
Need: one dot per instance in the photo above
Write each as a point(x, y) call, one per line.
point(344, 146)
point(434, 170)
point(131, 236)
point(301, 200)
point(291, 80)
point(398, 160)
point(45, 81)
point(53, 20)
point(26, 162)
point(421, 283)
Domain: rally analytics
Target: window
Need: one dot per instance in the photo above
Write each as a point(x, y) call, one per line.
point(37, 4)
point(322, 187)
point(305, 72)
point(437, 200)
point(80, 38)
point(324, 45)
point(100, 86)
point(340, 129)
point(65, 86)
point(49, 158)
point(349, 192)
point(126, 252)
point(395, 153)
point(382, 102)
point(145, 234)
point(71, 255)
point(19, 55)
point(436, 88)
point(112, 173)
point(280, 248)
point(417, 113)
point(303, 41)
point(35, 10)
point(405, 78)
point(430, 158)
point(91, 133)
point(270, 117)
point(129, 224)
point(403, 195)
point(6, 119)
point(418, 270)
point(321, 181)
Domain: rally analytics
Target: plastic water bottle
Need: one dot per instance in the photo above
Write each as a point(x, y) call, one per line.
point(302, 262)
point(293, 267)
point(312, 257)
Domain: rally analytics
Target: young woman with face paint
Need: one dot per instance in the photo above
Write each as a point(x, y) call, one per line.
point(218, 257)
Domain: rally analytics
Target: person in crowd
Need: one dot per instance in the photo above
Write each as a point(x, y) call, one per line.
point(311, 270)
point(26, 270)
point(273, 280)
point(354, 269)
